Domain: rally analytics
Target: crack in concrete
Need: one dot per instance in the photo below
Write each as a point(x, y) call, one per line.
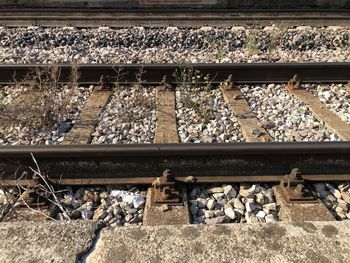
point(85, 254)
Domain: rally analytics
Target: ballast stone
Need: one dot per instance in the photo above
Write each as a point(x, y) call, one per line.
point(230, 213)
point(215, 190)
point(230, 191)
point(193, 209)
point(211, 204)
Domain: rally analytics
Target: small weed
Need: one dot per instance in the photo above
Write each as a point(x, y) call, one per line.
point(252, 43)
point(187, 85)
point(276, 36)
point(219, 50)
point(191, 90)
point(137, 93)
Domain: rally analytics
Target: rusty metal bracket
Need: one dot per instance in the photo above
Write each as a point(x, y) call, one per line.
point(164, 191)
point(293, 84)
point(228, 83)
point(293, 188)
point(164, 85)
point(104, 83)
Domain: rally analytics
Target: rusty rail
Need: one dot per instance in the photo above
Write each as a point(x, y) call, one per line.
point(205, 163)
point(153, 74)
point(81, 17)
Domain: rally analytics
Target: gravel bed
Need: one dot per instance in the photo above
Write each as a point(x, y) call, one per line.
point(233, 204)
point(174, 45)
point(111, 206)
point(129, 117)
point(335, 97)
point(336, 198)
point(204, 117)
point(16, 134)
point(7, 94)
point(285, 117)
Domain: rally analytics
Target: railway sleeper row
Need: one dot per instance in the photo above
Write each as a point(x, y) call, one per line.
point(167, 123)
point(168, 200)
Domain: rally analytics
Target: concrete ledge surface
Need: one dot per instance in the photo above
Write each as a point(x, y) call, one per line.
point(45, 241)
point(295, 242)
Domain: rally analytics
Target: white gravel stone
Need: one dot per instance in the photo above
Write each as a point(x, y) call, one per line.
point(230, 212)
point(251, 218)
point(336, 193)
point(260, 198)
point(8, 94)
point(238, 204)
point(211, 204)
point(270, 206)
point(2, 197)
point(261, 214)
point(209, 214)
point(270, 218)
point(215, 190)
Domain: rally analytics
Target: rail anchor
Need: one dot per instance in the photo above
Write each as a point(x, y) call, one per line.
point(228, 83)
point(164, 191)
point(293, 189)
point(293, 84)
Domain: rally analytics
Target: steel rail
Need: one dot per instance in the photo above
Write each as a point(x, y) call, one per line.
point(203, 163)
point(81, 17)
point(155, 73)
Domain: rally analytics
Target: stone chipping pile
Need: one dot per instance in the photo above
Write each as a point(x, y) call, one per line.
point(336, 197)
point(280, 43)
point(129, 117)
point(8, 94)
point(110, 206)
point(232, 204)
point(284, 117)
point(204, 117)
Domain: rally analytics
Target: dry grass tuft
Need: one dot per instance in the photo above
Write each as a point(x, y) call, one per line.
point(192, 90)
point(46, 101)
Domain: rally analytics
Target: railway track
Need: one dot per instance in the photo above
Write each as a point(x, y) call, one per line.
point(206, 163)
point(168, 167)
point(159, 18)
point(155, 171)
